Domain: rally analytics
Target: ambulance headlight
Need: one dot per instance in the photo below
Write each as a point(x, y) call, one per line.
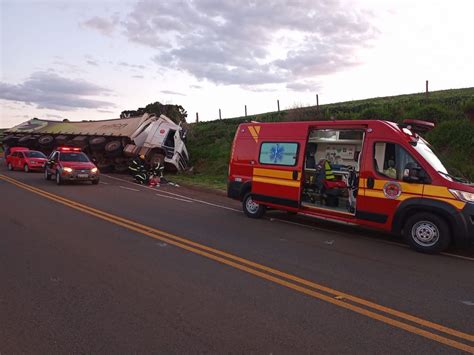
point(463, 195)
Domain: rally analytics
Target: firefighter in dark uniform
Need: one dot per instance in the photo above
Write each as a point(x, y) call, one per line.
point(138, 169)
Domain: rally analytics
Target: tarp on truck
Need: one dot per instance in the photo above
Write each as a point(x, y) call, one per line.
point(121, 127)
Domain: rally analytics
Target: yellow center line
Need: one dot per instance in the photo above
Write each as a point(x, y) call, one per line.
point(250, 267)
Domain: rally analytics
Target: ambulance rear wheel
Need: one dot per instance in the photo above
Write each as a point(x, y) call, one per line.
point(427, 233)
point(251, 208)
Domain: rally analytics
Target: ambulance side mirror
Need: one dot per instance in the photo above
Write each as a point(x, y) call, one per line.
point(415, 174)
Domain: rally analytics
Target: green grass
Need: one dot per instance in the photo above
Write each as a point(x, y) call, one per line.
point(209, 143)
point(200, 180)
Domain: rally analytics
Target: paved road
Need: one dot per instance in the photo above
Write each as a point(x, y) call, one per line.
point(121, 268)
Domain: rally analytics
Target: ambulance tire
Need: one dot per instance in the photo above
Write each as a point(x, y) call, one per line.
point(252, 209)
point(427, 233)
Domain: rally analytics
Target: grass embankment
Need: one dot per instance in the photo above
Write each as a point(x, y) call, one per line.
point(209, 143)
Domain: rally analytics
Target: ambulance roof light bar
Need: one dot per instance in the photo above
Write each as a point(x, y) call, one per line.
point(417, 126)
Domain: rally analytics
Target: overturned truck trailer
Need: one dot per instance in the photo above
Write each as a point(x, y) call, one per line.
point(110, 143)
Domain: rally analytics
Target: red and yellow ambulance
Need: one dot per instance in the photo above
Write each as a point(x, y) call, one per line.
point(371, 173)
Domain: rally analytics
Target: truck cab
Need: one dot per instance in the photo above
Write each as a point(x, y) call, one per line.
point(371, 173)
point(160, 139)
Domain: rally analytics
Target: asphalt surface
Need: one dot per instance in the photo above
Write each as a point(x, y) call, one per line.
point(180, 270)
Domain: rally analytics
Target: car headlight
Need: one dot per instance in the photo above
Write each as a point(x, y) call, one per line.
point(67, 170)
point(463, 195)
point(94, 170)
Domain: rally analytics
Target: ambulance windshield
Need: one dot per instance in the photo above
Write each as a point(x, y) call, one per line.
point(423, 148)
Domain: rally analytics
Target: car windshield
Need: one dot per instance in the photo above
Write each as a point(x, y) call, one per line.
point(35, 155)
point(79, 157)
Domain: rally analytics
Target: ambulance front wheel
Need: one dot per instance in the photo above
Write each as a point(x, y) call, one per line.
point(251, 208)
point(427, 233)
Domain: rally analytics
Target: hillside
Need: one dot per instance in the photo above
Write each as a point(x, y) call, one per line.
point(209, 142)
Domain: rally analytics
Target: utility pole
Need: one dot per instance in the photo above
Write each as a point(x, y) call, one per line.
point(245, 110)
point(426, 89)
point(197, 117)
point(220, 116)
point(278, 105)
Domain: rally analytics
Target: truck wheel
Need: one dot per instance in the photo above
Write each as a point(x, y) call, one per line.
point(95, 182)
point(46, 141)
point(47, 175)
point(26, 168)
point(157, 158)
point(59, 181)
point(80, 141)
point(427, 233)
point(251, 208)
point(113, 149)
point(27, 141)
point(97, 143)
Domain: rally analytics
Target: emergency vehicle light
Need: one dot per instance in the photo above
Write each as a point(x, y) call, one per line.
point(418, 126)
point(69, 149)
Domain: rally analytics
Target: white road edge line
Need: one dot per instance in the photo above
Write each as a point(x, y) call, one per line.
point(174, 198)
point(128, 188)
point(105, 183)
point(178, 195)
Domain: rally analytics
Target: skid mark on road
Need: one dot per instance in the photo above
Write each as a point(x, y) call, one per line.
point(401, 320)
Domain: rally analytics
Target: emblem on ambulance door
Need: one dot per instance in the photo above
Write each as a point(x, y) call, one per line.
point(392, 190)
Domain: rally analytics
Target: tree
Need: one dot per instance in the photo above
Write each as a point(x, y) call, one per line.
point(175, 112)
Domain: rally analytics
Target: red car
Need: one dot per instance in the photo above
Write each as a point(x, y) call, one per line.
point(70, 164)
point(25, 159)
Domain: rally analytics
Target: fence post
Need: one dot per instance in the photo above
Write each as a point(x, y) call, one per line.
point(245, 110)
point(220, 116)
point(197, 117)
point(278, 104)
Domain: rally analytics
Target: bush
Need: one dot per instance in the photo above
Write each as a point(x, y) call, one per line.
point(433, 113)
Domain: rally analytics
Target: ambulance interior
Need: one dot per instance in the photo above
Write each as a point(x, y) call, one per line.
point(331, 169)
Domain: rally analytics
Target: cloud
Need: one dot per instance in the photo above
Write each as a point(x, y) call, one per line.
point(92, 62)
point(49, 90)
point(309, 86)
point(251, 44)
point(138, 76)
point(172, 92)
point(134, 66)
point(100, 24)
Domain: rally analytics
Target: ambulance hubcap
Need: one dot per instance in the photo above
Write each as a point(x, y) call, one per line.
point(251, 206)
point(425, 233)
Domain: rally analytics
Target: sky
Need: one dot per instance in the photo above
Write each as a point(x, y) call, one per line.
point(93, 59)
